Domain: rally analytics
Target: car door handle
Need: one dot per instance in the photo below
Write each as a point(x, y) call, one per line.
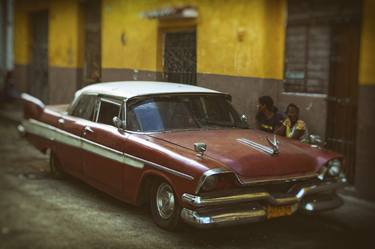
point(61, 121)
point(87, 130)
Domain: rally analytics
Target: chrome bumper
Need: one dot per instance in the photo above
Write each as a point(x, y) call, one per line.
point(252, 207)
point(230, 217)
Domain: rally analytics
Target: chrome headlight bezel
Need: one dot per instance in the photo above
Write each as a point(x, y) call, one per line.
point(210, 183)
point(214, 178)
point(332, 169)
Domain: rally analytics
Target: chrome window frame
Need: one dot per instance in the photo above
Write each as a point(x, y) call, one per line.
point(107, 99)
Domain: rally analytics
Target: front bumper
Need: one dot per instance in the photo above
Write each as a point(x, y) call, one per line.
point(209, 211)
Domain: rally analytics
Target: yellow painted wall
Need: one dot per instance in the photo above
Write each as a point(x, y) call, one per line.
point(63, 49)
point(21, 27)
point(367, 58)
point(260, 54)
point(122, 18)
point(64, 33)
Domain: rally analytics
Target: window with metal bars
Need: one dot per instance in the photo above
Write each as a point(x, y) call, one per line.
point(180, 60)
point(307, 58)
point(309, 40)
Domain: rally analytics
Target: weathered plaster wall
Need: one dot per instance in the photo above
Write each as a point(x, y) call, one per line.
point(365, 156)
point(260, 54)
point(64, 50)
point(219, 50)
point(247, 68)
point(63, 34)
point(62, 31)
point(22, 29)
point(367, 58)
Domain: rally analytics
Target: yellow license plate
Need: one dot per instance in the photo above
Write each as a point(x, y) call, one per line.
point(277, 211)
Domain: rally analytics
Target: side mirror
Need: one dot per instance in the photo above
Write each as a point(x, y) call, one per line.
point(243, 121)
point(118, 123)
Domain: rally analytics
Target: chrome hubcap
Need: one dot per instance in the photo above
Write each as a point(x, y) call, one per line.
point(165, 201)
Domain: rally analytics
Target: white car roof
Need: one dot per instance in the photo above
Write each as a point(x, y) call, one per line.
point(129, 89)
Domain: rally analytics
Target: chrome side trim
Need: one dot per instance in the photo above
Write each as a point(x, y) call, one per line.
point(55, 134)
point(259, 147)
point(276, 180)
point(163, 168)
point(208, 173)
point(203, 201)
point(52, 133)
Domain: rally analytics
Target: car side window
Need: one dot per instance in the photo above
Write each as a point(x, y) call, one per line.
point(85, 107)
point(108, 110)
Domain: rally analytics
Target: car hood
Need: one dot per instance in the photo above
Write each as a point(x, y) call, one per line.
point(294, 158)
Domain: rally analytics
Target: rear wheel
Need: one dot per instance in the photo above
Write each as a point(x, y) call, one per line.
point(54, 166)
point(165, 209)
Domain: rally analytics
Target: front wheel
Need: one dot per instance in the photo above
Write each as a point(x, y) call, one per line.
point(165, 209)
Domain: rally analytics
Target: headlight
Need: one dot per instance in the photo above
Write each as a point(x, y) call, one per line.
point(334, 167)
point(216, 179)
point(210, 183)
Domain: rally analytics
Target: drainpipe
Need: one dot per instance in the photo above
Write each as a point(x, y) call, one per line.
point(9, 36)
point(2, 47)
point(6, 41)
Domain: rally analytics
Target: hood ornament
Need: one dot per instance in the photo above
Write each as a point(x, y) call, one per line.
point(200, 148)
point(274, 144)
point(273, 150)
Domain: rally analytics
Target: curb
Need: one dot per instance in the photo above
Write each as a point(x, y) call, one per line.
point(361, 202)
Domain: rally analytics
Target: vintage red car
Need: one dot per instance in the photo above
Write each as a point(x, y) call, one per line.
point(184, 150)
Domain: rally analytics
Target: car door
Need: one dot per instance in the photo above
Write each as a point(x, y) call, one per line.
point(71, 126)
point(103, 149)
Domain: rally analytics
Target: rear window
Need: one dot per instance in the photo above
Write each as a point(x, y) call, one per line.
point(85, 107)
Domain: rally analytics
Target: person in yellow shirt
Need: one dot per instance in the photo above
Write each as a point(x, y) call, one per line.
point(292, 126)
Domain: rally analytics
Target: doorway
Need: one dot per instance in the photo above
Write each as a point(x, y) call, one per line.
point(91, 17)
point(322, 50)
point(343, 92)
point(38, 67)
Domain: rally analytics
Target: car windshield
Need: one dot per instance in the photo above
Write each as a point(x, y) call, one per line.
point(164, 113)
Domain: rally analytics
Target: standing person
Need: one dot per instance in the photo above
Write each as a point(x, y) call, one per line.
point(268, 118)
point(293, 127)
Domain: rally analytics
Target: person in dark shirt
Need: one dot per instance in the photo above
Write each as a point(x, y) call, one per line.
point(268, 118)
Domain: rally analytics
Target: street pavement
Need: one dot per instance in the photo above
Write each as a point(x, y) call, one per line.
point(38, 211)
